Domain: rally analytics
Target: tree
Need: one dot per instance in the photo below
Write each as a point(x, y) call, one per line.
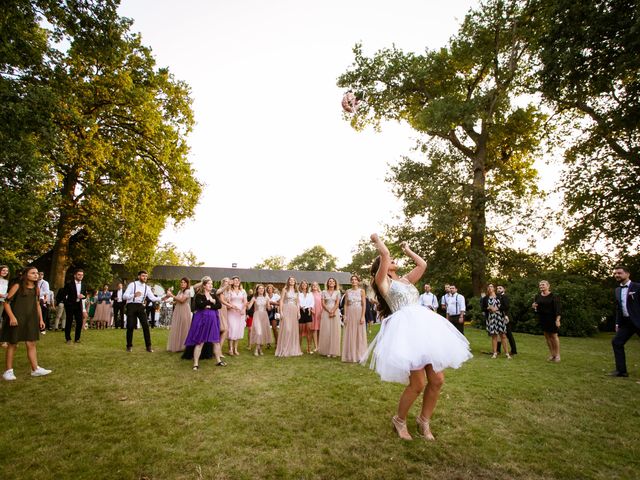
point(168, 254)
point(463, 97)
point(314, 259)
point(116, 164)
point(363, 256)
point(590, 69)
point(25, 131)
point(273, 263)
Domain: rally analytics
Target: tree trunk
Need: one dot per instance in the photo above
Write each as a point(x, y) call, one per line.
point(477, 219)
point(60, 260)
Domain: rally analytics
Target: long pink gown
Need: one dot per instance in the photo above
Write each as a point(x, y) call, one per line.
point(317, 311)
point(261, 330)
point(329, 338)
point(235, 318)
point(289, 337)
point(180, 322)
point(354, 345)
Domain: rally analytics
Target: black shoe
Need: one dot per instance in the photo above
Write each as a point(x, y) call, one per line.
point(149, 349)
point(221, 364)
point(616, 373)
point(129, 349)
point(76, 341)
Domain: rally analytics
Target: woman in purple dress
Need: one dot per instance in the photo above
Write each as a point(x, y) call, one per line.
point(205, 326)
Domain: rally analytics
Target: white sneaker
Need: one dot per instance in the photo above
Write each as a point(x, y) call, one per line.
point(40, 372)
point(8, 375)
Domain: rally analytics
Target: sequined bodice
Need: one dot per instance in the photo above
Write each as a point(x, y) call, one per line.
point(261, 304)
point(330, 299)
point(290, 296)
point(354, 297)
point(400, 295)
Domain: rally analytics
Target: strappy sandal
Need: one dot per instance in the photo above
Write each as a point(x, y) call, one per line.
point(221, 364)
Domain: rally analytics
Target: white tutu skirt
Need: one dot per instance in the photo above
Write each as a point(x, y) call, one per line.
point(412, 338)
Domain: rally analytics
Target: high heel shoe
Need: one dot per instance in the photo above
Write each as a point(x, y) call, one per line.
point(423, 428)
point(400, 427)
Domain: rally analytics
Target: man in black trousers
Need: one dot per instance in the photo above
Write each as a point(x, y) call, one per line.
point(117, 297)
point(627, 316)
point(136, 294)
point(75, 292)
point(502, 296)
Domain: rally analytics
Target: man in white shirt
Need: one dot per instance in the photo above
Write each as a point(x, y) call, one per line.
point(443, 303)
point(455, 306)
point(45, 295)
point(428, 299)
point(135, 295)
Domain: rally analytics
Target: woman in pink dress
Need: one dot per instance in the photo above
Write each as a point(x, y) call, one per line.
point(222, 293)
point(181, 317)
point(261, 330)
point(329, 341)
point(102, 315)
point(354, 346)
point(289, 341)
point(317, 313)
point(236, 314)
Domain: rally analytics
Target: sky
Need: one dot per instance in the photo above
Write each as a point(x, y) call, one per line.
point(282, 170)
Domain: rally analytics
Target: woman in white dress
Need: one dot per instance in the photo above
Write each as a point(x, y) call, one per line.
point(414, 345)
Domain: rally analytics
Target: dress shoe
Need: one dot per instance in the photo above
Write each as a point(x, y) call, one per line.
point(129, 349)
point(616, 373)
point(149, 349)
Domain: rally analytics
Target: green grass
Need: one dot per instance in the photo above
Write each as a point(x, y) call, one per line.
point(107, 414)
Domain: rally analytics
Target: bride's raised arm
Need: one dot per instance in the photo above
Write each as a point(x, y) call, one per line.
point(421, 265)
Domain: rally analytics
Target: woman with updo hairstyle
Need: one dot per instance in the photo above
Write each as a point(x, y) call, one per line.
point(414, 344)
point(329, 341)
point(354, 345)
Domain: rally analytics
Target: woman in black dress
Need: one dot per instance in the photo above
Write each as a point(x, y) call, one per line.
point(547, 307)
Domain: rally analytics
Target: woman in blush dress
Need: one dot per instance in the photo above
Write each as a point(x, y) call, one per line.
point(329, 341)
point(102, 316)
point(354, 345)
point(415, 344)
point(261, 330)
point(181, 317)
point(205, 326)
point(306, 303)
point(289, 341)
point(317, 313)
point(236, 314)
point(222, 292)
point(274, 314)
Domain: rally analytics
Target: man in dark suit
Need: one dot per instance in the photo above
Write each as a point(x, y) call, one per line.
point(117, 296)
point(75, 292)
point(627, 316)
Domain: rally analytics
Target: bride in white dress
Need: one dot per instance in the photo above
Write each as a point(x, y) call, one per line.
point(415, 344)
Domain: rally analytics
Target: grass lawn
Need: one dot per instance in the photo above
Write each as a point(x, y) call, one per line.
point(105, 413)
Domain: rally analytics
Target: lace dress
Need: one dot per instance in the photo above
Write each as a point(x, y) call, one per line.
point(413, 337)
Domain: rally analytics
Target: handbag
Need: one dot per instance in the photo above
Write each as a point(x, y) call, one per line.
point(276, 316)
